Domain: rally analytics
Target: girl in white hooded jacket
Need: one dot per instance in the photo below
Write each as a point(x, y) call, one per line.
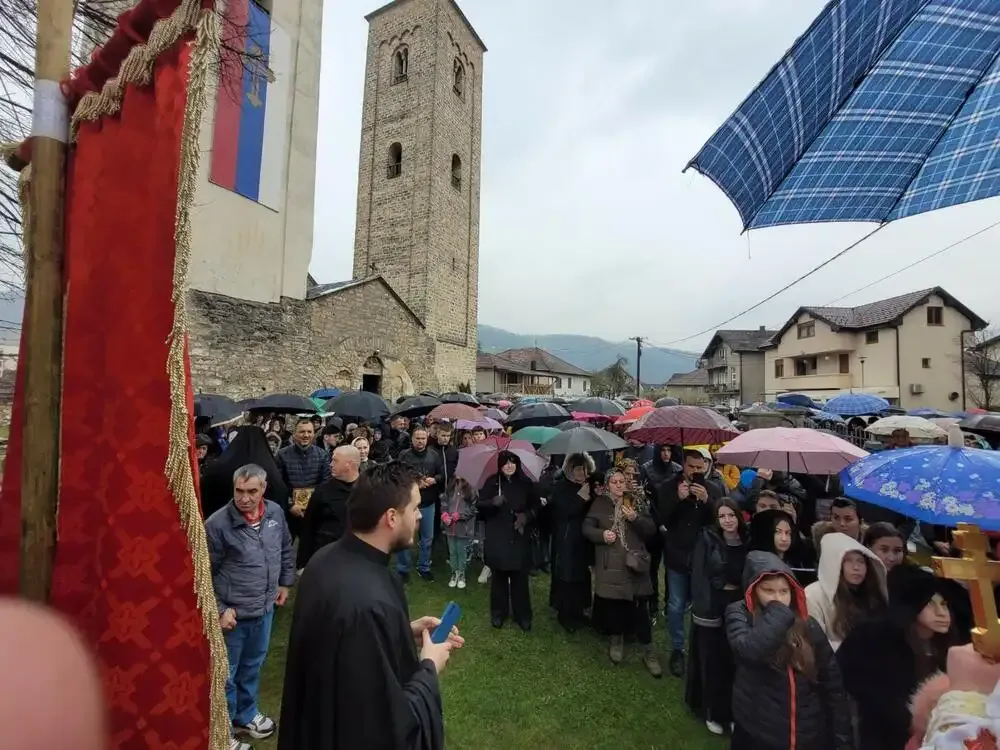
point(851, 587)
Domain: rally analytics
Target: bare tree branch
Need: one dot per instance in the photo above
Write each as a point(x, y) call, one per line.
point(982, 369)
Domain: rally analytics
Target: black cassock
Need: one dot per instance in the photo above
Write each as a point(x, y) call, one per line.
point(353, 678)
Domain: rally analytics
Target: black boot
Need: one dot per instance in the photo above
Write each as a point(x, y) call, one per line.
point(677, 663)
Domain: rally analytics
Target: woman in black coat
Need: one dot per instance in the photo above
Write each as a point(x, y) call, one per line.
point(508, 504)
point(568, 504)
point(248, 447)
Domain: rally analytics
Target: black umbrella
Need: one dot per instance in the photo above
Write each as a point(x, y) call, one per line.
point(539, 414)
point(283, 403)
point(667, 401)
point(416, 406)
point(981, 423)
point(361, 405)
point(584, 440)
point(216, 409)
point(597, 405)
point(572, 424)
point(456, 397)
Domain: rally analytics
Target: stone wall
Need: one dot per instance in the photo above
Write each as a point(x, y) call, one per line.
point(242, 349)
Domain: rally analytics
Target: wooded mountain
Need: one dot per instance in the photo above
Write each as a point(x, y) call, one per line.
point(591, 353)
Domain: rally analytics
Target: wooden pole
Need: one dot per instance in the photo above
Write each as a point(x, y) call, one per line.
point(43, 314)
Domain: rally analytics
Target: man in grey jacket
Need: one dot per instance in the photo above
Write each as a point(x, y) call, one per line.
point(253, 566)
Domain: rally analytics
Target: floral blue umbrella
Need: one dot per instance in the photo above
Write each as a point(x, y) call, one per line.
point(856, 404)
point(937, 484)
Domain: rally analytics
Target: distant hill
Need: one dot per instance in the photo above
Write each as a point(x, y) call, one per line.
point(592, 353)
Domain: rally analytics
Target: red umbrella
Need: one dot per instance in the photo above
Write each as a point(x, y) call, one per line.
point(633, 414)
point(478, 462)
point(642, 402)
point(682, 425)
point(454, 412)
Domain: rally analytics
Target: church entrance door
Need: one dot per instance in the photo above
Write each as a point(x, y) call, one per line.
point(371, 377)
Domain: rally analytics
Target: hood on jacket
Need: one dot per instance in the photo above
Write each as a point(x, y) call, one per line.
point(573, 460)
point(762, 564)
point(762, 527)
point(910, 589)
point(831, 559)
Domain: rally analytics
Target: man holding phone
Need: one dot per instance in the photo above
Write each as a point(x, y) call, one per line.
point(359, 672)
point(684, 508)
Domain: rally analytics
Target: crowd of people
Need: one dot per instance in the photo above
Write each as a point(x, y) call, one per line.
point(810, 625)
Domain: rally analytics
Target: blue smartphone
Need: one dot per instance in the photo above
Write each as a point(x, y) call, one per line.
point(452, 614)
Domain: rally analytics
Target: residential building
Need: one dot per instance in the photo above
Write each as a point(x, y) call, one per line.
point(735, 364)
point(530, 371)
point(982, 374)
point(689, 387)
point(906, 349)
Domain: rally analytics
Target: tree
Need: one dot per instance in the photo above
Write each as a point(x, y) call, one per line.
point(982, 370)
point(613, 380)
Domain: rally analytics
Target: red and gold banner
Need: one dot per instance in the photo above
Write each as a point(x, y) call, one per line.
point(131, 565)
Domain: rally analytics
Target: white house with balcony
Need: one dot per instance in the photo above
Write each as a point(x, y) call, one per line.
point(906, 349)
point(530, 371)
point(735, 364)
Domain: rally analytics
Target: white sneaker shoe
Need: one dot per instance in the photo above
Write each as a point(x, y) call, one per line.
point(715, 727)
point(453, 581)
point(484, 576)
point(235, 744)
point(461, 580)
point(259, 728)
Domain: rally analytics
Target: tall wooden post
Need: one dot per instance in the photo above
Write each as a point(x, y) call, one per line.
point(43, 314)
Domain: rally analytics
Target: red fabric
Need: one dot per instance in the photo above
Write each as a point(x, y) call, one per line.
point(124, 573)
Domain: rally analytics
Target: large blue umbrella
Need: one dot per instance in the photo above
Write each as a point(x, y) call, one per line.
point(856, 404)
point(797, 399)
point(325, 393)
point(937, 484)
point(881, 110)
point(927, 413)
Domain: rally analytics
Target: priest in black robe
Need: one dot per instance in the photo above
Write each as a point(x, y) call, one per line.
point(359, 674)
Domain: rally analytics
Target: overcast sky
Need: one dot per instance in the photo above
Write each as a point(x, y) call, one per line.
point(591, 109)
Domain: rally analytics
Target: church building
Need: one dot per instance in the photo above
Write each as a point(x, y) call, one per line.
point(406, 320)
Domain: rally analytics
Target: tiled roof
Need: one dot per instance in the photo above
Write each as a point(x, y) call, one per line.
point(320, 289)
point(739, 341)
point(495, 362)
point(694, 378)
point(544, 361)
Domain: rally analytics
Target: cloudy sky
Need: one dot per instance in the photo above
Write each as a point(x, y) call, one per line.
point(591, 110)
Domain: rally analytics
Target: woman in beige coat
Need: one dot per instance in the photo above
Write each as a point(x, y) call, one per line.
point(618, 524)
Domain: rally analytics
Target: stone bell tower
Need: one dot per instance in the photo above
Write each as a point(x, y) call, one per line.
point(418, 185)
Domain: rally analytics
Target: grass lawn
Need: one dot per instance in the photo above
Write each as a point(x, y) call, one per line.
point(544, 689)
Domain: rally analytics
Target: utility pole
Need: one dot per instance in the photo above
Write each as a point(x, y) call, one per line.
point(43, 309)
point(638, 363)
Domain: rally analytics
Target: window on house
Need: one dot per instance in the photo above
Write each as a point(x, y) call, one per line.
point(569, 383)
point(805, 366)
point(926, 363)
point(935, 316)
point(395, 168)
point(586, 385)
point(871, 337)
point(400, 64)
point(779, 368)
point(732, 376)
point(807, 330)
point(558, 382)
point(459, 86)
point(456, 171)
point(845, 363)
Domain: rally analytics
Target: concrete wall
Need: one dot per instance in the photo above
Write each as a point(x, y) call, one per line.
point(418, 230)
point(942, 346)
point(244, 249)
point(573, 386)
point(750, 374)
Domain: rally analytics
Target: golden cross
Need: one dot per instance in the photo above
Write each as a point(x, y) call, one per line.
point(258, 69)
point(980, 573)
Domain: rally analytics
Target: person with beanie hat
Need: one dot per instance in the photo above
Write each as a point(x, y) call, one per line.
point(884, 661)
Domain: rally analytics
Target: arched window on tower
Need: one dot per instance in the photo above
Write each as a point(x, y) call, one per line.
point(456, 171)
point(395, 160)
point(459, 78)
point(400, 64)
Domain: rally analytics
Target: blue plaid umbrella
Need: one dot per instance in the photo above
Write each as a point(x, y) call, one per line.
point(856, 404)
point(883, 109)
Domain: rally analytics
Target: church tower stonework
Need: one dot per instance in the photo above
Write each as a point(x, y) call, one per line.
point(418, 183)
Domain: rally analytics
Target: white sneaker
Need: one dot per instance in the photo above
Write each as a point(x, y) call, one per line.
point(484, 575)
point(259, 728)
point(235, 744)
point(461, 580)
point(453, 581)
point(715, 727)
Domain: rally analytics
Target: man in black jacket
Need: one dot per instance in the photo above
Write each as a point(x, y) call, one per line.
point(326, 517)
point(428, 465)
point(654, 474)
point(683, 509)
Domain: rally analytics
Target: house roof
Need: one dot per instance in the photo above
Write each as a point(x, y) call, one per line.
point(465, 20)
point(695, 378)
point(739, 341)
point(322, 290)
point(878, 314)
point(496, 362)
point(544, 361)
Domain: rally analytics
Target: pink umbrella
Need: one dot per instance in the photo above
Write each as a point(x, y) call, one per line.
point(790, 449)
point(682, 425)
point(486, 424)
point(504, 404)
point(478, 462)
point(586, 416)
point(639, 402)
point(454, 412)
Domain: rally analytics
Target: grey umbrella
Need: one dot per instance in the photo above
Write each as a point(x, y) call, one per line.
point(582, 440)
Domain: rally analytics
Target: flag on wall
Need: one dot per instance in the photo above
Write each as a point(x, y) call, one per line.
point(253, 106)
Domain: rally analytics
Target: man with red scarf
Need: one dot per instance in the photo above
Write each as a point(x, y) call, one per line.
point(252, 568)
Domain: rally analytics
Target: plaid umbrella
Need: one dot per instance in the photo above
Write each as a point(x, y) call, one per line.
point(855, 404)
point(881, 110)
point(682, 425)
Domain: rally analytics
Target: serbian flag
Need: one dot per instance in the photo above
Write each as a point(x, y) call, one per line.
point(253, 106)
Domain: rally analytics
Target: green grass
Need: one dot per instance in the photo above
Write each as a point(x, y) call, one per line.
point(543, 689)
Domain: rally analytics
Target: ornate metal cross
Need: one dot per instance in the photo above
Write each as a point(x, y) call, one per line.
point(980, 573)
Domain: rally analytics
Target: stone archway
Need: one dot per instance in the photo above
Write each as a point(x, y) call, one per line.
point(344, 380)
point(372, 374)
